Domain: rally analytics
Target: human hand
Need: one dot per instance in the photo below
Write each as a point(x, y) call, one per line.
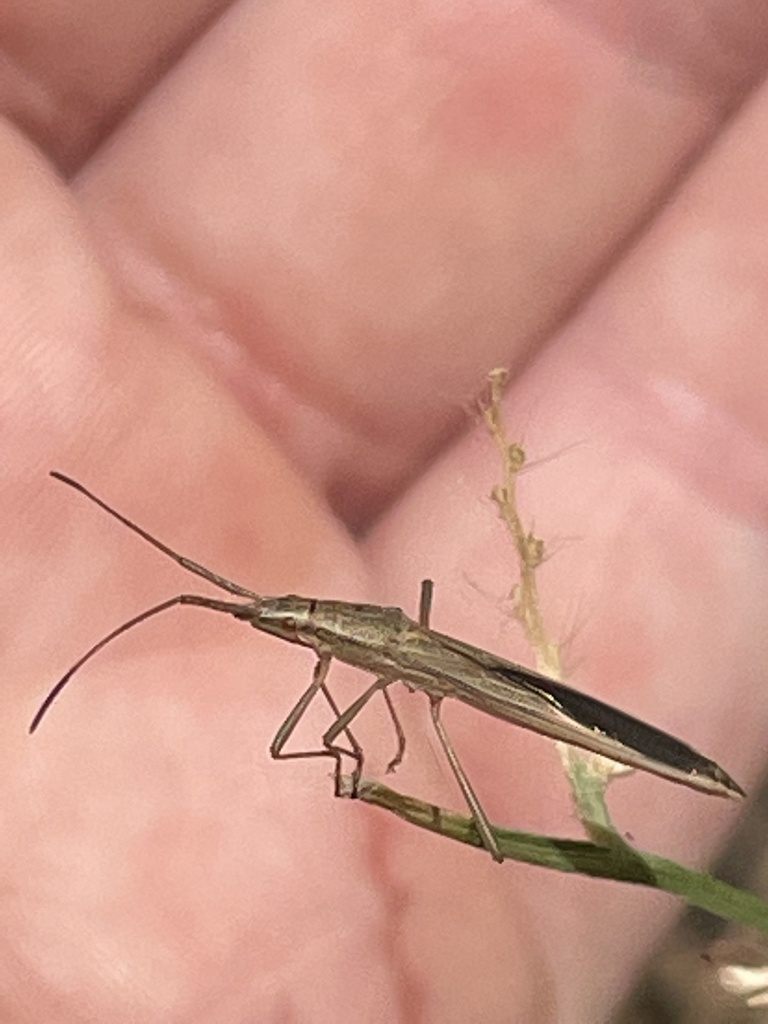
point(253, 326)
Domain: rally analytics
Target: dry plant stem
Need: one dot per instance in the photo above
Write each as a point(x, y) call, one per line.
point(529, 548)
point(588, 776)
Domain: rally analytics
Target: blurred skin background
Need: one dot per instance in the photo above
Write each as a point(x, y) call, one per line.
point(257, 261)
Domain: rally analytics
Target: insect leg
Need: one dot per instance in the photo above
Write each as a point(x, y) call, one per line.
point(343, 721)
point(330, 749)
point(425, 602)
point(400, 752)
point(478, 814)
point(425, 607)
point(182, 560)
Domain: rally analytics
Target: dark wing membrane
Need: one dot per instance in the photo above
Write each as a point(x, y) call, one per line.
point(629, 731)
point(526, 697)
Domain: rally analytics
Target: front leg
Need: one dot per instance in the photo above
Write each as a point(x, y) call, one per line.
point(344, 720)
point(284, 733)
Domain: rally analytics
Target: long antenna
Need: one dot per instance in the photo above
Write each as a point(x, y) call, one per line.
point(189, 599)
point(185, 563)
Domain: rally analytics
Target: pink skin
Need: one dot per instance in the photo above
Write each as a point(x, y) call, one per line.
point(253, 325)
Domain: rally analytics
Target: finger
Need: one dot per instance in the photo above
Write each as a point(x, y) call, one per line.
point(70, 74)
point(147, 807)
point(364, 209)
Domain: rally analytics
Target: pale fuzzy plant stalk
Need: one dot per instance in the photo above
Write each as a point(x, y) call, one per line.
point(588, 774)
